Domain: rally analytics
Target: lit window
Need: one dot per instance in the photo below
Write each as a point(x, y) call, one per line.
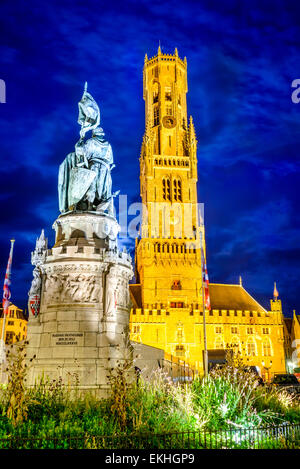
point(219, 343)
point(266, 348)
point(156, 116)
point(251, 348)
point(179, 351)
point(168, 95)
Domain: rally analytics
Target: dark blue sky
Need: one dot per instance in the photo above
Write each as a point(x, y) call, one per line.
point(242, 58)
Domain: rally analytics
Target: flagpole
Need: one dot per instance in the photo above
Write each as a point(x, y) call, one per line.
point(5, 306)
point(205, 356)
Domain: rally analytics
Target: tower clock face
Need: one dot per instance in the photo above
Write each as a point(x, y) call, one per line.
point(169, 122)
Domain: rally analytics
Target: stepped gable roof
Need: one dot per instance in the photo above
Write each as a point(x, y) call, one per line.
point(136, 295)
point(235, 297)
point(20, 312)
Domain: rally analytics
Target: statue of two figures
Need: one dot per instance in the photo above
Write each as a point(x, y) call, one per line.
point(84, 180)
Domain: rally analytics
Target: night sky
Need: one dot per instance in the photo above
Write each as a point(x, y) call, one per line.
point(242, 58)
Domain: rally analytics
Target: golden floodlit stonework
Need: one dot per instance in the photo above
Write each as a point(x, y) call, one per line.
point(167, 310)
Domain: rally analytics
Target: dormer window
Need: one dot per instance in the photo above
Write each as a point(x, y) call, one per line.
point(168, 95)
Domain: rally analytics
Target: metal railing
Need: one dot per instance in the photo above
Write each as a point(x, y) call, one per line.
point(271, 437)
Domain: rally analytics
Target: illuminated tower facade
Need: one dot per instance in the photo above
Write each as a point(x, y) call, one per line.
point(167, 310)
point(168, 254)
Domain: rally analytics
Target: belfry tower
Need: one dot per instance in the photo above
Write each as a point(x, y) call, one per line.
point(168, 252)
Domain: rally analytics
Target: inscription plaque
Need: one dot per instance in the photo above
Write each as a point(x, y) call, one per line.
point(67, 338)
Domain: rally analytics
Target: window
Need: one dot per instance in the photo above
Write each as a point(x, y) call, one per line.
point(166, 189)
point(179, 351)
point(234, 330)
point(266, 348)
point(218, 330)
point(177, 190)
point(235, 344)
point(265, 330)
point(219, 343)
point(251, 348)
point(176, 285)
point(156, 116)
point(249, 330)
point(10, 323)
point(136, 329)
point(174, 304)
point(168, 95)
point(9, 337)
point(169, 111)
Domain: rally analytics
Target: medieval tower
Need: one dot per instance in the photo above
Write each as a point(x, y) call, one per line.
point(167, 298)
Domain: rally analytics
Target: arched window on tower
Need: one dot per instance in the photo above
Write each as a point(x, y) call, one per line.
point(166, 188)
point(177, 190)
point(156, 116)
point(155, 92)
point(168, 93)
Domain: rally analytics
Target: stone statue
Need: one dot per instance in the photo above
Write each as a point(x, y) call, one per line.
point(84, 180)
point(111, 295)
point(38, 257)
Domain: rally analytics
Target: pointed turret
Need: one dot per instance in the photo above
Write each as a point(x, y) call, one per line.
point(276, 303)
point(192, 132)
point(275, 292)
point(176, 52)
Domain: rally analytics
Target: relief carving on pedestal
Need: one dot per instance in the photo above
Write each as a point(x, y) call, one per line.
point(72, 288)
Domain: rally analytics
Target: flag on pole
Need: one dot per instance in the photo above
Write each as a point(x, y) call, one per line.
point(6, 289)
point(205, 281)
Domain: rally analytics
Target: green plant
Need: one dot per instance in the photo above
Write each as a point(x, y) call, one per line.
point(16, 370)
point(120, 380)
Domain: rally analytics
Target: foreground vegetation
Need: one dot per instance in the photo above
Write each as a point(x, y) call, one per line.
point(230, 397)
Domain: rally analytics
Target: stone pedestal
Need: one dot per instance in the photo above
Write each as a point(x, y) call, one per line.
point(84, 303)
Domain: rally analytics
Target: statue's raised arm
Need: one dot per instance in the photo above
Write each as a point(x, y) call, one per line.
point(84, 181)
